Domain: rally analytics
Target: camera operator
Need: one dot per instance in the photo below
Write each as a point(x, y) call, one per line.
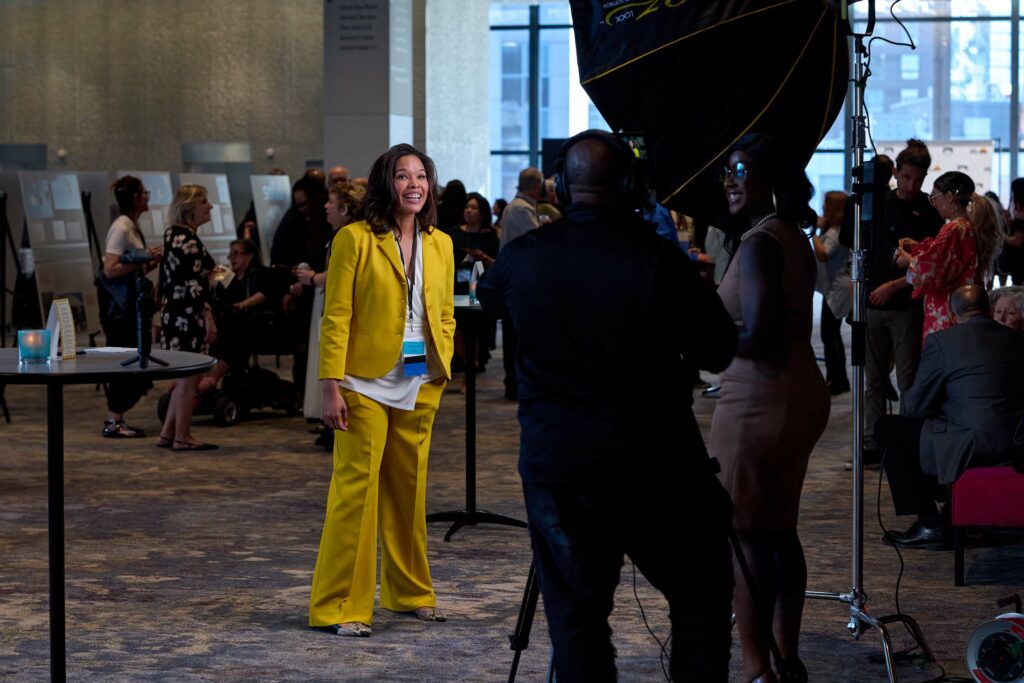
point(598, 401)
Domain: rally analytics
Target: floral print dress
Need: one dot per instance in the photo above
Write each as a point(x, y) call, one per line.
point(941, 264)
point(185, 289)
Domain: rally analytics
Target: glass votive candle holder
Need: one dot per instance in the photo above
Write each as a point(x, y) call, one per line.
point(33, 346)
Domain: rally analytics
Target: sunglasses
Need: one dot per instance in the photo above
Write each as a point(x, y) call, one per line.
point(739, 171)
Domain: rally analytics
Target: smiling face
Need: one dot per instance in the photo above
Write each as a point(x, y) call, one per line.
point(943, 203)
point(746, 193)
point(409, 186)
point(201, 214)
point(1007, 312)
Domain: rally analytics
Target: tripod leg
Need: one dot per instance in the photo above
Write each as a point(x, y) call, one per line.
point(883, 633)
point(520, 638)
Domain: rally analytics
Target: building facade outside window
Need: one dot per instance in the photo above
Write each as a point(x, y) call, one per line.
point(961, 83)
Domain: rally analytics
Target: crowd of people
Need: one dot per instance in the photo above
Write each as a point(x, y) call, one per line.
point(364, 271)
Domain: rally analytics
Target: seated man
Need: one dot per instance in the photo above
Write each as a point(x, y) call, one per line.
point(962, 411)
point(238, 296)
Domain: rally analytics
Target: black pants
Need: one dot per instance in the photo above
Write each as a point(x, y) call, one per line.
point(580, 533)
point(914, 491)
point(509, 347)
point(832, 341)
point(236, 338)
point(122, 396)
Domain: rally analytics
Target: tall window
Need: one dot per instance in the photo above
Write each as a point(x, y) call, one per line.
point(535, 90)
point(959, 84)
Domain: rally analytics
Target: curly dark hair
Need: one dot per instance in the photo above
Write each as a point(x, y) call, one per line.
point(379, 205)
point(792, 190)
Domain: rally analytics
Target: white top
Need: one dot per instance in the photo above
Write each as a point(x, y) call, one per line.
point(395, 389)
point(122, 236)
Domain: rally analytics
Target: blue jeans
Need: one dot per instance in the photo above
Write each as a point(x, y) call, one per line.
point(674, 532)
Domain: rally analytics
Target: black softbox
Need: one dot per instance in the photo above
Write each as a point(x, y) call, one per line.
point(695, 75)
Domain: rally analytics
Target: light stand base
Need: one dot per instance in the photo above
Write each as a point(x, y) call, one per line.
point(144, 361)
point(859, 620)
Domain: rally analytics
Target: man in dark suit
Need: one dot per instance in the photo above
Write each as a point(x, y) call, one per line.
point(962, 411)
point(608, 314)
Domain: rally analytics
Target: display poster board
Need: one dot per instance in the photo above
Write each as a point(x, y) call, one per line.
point(271, 196)
point(976, 158)
point(218, 234)
point(101, 199)
point(52, 203)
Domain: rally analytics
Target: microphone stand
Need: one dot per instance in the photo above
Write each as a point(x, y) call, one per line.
point(144, 322)
point(857, 598)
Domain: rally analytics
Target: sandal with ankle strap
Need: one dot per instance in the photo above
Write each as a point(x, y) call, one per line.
point(429, 614)
point(352, 629)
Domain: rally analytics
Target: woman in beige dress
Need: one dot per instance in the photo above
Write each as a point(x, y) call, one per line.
point(773, 404)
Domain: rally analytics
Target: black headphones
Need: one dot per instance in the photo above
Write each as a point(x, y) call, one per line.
point(630, 185)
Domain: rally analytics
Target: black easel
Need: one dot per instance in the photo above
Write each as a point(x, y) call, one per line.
point(144, 322)
point(471, 515)
point(90, 230)
point(6, 240)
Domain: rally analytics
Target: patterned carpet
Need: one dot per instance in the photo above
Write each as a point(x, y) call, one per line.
point(197, 566)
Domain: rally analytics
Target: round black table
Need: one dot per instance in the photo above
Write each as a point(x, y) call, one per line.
point(471, 515)
point(84, 369)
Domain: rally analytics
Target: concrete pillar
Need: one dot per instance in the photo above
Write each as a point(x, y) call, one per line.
point(456, 46)
point(368, 92)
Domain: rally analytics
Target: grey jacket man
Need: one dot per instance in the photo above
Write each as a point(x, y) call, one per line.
point(969, 390)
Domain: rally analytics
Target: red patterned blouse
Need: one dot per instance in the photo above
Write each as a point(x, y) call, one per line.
point(941, 264)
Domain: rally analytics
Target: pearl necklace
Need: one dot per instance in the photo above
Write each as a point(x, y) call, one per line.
point(757, 225)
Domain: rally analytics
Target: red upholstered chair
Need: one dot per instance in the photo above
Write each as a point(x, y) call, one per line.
point(984, 496)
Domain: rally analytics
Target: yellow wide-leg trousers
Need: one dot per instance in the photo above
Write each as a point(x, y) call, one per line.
point(379, 482)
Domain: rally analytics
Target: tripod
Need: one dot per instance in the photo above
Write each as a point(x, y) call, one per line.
point(144, 323)
point(856, 598)
point(520, 638)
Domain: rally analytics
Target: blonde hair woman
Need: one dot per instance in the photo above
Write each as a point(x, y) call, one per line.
point(187, 320)
point(344, 204)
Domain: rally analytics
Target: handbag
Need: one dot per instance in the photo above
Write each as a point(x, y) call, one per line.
point(839, 298)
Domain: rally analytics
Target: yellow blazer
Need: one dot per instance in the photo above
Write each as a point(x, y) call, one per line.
point(366, 303)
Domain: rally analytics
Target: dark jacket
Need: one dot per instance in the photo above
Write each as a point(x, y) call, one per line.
point(606, 312)
point(969, 389)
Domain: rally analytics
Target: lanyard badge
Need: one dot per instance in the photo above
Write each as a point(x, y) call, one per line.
point(414, 357)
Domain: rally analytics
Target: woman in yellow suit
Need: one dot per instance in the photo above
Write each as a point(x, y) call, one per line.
point(385, 348)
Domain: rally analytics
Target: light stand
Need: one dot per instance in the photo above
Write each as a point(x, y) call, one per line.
point(144, 322)
point(857, 598)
